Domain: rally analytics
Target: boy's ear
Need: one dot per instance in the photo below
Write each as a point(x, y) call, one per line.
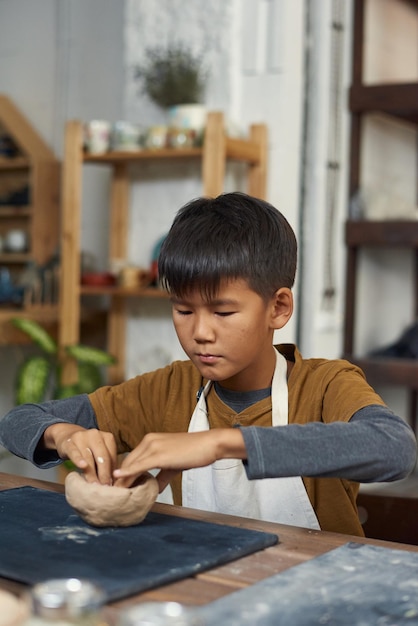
point(282, 307)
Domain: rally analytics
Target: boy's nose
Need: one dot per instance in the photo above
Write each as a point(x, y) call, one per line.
point(203, 330)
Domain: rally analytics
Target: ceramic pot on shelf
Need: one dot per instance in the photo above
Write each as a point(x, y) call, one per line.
point(189, 117)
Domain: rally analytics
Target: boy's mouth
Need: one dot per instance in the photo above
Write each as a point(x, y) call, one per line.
point(207, 358)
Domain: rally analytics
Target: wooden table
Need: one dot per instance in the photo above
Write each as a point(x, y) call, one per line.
point(296, 545)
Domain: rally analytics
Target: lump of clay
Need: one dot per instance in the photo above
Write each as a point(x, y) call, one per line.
point(103, 505)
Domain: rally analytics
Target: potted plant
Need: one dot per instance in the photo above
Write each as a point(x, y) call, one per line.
point(39, 376)
point(174, 78)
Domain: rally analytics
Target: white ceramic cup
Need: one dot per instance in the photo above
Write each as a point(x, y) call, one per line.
point(97, 136)
point(16, 240)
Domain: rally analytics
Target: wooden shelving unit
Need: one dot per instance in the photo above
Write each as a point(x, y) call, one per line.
point(217, 150)
point(399, 101)
point(385, 234)
point(34, 166)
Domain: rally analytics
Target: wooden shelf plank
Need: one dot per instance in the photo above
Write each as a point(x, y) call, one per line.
point(397, 99)
point(243, 150)
point(236, 150)
point(14, 163)
point(15, 211)
point(15, 257)
point(403, 372)
point(126, 292)
point(402, 233)
point(112, 157)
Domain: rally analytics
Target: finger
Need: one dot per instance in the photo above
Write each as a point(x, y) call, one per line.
point(90, 469)
point(90, 473)
point(94, 459)
point(72, 452)
point(126, 475)
point(125, 478)
point(104, 457)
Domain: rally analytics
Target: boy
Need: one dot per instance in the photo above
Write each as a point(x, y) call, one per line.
point(242, 427)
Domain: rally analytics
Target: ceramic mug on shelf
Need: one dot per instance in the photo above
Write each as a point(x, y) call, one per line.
point(156, 137)
point(181, 137)
point(97, 136)
point(16, 240)
point(127, 136)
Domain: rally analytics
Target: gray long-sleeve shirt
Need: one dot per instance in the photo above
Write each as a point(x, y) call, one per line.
point(384, 445)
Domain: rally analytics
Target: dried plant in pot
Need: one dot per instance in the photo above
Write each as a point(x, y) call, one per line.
point(175, 78)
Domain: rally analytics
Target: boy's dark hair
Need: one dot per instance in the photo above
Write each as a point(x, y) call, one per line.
point(229, 237)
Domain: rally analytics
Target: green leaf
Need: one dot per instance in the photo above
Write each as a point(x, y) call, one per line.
point(87, 354)
point(69, 465)
point(66, 391)
point(32, 380)
point(37, 333)
point(89, 377)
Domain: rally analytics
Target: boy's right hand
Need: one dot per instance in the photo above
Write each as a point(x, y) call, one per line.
point(92, 451)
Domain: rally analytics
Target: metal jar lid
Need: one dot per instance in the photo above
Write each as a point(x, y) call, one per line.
point(66, 597)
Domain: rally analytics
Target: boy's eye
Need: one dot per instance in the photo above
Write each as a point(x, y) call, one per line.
point(224, 313)
point(183, 312)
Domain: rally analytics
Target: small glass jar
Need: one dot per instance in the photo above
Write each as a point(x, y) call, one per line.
point(65, 602)
point(160, 614)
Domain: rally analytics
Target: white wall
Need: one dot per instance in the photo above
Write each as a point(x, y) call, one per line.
point(270, 85)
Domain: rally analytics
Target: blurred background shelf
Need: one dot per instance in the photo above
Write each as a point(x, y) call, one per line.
point(398, 100)
point(389, 371)
point(29, 192)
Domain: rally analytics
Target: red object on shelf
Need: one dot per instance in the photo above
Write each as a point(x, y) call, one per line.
point(98, 279)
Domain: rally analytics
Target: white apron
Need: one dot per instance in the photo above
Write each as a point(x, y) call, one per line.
point(224, 487)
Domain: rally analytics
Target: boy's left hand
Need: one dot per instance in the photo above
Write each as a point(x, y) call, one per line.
point(174, 452)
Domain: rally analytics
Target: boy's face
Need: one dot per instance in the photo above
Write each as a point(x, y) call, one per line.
point(229, 338)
